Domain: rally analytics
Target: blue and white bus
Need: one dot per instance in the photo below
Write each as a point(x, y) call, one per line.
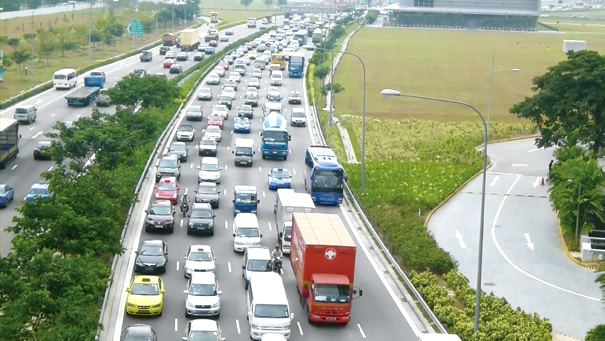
point(275, 137)
point(326, 179)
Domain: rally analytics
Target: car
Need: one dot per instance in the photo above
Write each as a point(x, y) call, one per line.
point(151, 257)
point(205, 94)
point(245, 110)
point(185, 133)
point(168, 63)
point(230, 82)
point(224, 39)
point(103, 99)
point(219, 71)
point(194, 113)
point(251, 98)
point(252, 55)
point(42, 150)
point(179, 149)
point(213, 79)
point(38, 191)
point(254, 82)
point(199, 56)
point(309, 47)
point(226, 100)
point(169, 165)
point(202, 47)
point(213, 132)
point(207, 192)
point(138, 332)
point(160, 217)
point(202, 329)
point(298, 118)
point(7, 193)
point(207, 146)
point(279, 178)
point(261, 48)
point(199, 258)
point(243, 60)
point(202, 296)
point(176, 68)
point(139, 72)
point(146, 56)
point(209, 170)
point(220, 109)
point(164, 50)
point(216, 120)
point(294, 97)
point(213, 44)
point(167, 189)
point(145, 296)
point(228, 32)
point(273, 94)
point(182, 56)
point(235, 76)
point(99, 74)
point(170, 54)
point(200, 219)
point(210, 49)
point(256, 73)
point(224, 64)
point(241, 125)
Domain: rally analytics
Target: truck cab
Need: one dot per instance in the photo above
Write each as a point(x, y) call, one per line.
point(245, 199)
point(243, 151)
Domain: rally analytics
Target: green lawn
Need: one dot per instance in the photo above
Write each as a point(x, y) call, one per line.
point(566, 26)
point(448, 64)
point(233, 11)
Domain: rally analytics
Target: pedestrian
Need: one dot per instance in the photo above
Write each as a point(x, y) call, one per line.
point(550, 168)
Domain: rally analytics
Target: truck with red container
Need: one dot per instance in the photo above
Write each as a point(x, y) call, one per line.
point(323, 260)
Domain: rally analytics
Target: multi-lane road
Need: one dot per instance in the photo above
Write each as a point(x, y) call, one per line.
point(378, 315)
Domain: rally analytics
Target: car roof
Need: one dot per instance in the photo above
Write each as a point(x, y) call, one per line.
point(146, 279)
point(279, 170)
point(200, 248)
point(203, 277)
point(168, 179)
point(209, 159)
point(40, 185)
point(203, 324)
point(170, 157)
point(207, 184)
point(258, 252)
point(153, 242)
point(201, 205)
point(162, 203)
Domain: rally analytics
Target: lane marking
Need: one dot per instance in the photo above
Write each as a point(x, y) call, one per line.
point(493, 233)
point(259, 169)
point(270, 227)
point(52, 115)
point(177, 265)
point(525, 165)
point(263, 194)
point(294, 171)
point(533, 150)
point(508, 195)
point(226, 226)
point(229, 266)
point(299, 328)
point(186, 189)
point(51, 168)
point(237, 326)
point(15, 166)
point(460, 239)
point(494, 180)
point(176, 324)
point(224, 192)
point(191, 166)
point(31, 128)
point(182, 222)
point(537, 182)
point(529, 243)
point(226, 167)
point(361, 331)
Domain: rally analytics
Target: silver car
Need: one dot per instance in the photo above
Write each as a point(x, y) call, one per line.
point(205, 94)
point(202, 295)
point(209, 170)
point(199, 258)
point(194, 113)
point(213, 132)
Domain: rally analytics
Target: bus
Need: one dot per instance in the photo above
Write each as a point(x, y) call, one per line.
point(279, 58)
point(275, 137)
point(213, 17)
point(301, 36)
point(325, 181)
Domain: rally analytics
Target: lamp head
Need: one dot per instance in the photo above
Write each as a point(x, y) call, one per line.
point(390, 92)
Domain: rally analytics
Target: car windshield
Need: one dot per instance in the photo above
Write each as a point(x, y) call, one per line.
point(271, 311)
point(220, 108)
point(160, 210)
point(145, 289)
point(251, 95)
point(294, 94)
point(165, 163)
point(280, 174)
point(331, 293)
point(60, 77)
point(298, 114)
point(195, 109)
point(259, 265)
point(205, 91)
point(202, 290)
point(208, 142)
point(167, 186)
point(213, 129)
point(209, 166)
point(186, 128)
point(38, 191)
point(206, 189)
point(243, 151)
point(200, 256)
point(224, 98)
point(151, 250)
point(326, 180)
point(275, 136)
point(245, 198)
point(201, 213)
point(288, 234)
point(215, 119)
point(249, 232)
point(179, 147)
point(44, 144)
point(203, 336)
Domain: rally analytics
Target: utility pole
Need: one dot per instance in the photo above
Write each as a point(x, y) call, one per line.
point(90, 33)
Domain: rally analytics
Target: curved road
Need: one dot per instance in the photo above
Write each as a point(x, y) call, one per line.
point(523, 258)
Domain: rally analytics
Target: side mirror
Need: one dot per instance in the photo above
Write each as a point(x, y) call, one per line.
point(214, 216)
point(233, 200)
point(198, 167)
point(220, 292)
point(243, 267)
point(258, 201)
point(184, 338)
point(220, 168)
point(233, 152)
point(234, 234)
point(185, 256)
point(146, 211)
point(291, 316)
point(281, 234)
point(185, 291)
point(173, 213)
point(261, 235)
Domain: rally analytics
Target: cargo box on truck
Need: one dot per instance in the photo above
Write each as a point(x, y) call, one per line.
point(190, 39)
point(9, 141)
point(286, 203)
point(84, 96)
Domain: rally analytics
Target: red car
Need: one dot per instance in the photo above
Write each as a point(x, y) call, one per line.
point(168, 63)
point(224, 64)
point(216, 120)
point(167, 189)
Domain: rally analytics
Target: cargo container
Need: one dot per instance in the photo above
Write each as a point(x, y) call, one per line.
point(190, 39)
point(286, 203)
point(9, 141)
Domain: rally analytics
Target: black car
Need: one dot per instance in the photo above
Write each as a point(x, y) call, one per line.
point(163, 50)
point(251, 98)
point(182, 56)
point(176, 68)
point(207, 192)
point(42, 150)
point(151, 257)
point(226, 100)
point(160, 217)
point(245, 111)
point(199, 56)
point(179, 149)
point(103, 100)
point(169, 166)
point(213, 43)
point(139, 72)
point(146, 56)
point(201, 219)
point(137, 332)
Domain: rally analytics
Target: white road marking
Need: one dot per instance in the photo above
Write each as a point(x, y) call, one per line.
point(225, 167)
point(260, 169)
point(15, 166)
point(270, 227)
point(294, 171)
point(51, 168)
point(176, 325)
point(181, 222)
point(537, 182)
point(299, 328)
point(361, 331)
point(495, 180)
point(31, 128)
point(78, 116)
point(191, 165)
point(520, 165)
point(231, 132)
point(460, 239)
point(38, 101)
point(224, 192)
point(290, 151)
point(229, 266)
point(228, 147)
point(177, 265)
point(263, 194)
point(237, 326)
point(52, 115)
point(186, 189)
point(226, 225)
point(529, 243)
point(493, 233)
point(533, 150)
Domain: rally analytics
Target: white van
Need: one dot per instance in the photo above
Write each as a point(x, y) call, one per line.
point(268, 309)
point(277, 77)
point(245, 231)
point(65, 79)
point(244, 150)
point(257, 260)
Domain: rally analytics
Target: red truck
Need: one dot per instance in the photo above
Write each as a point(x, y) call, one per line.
point(323, 259)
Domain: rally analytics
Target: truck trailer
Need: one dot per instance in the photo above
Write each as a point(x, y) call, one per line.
point(169, 39)
point(9, 140)
point(87, 94)
point(286, 203)
point(190, 39)
point(323, 261)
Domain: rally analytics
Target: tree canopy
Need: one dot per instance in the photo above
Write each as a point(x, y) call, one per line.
point(569, 101)
point(246, 2)
point(151, 91)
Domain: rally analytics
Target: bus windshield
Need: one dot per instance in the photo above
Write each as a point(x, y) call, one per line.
point(328, 180)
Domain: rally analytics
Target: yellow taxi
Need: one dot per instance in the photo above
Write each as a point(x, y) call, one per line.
point(252, 55)
point(145, 296)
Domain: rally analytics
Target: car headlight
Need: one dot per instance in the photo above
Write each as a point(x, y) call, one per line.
point(216, 305)
point(156, 305)
point(139, 261)
point(130, 305)
point(189, 305)
point(190, 224)
point(174, 195)
point(254, 326)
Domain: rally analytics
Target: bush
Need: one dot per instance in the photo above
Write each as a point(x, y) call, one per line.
point(372, 16)
point(596, 334)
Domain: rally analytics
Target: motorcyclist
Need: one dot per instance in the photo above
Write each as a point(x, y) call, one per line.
point(277, 256)
point(184, 204)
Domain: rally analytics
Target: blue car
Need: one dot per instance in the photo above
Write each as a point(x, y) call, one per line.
point(241, 125)
point(279, 178)
point(7, 193)
point(209, 50)
point(37, 191)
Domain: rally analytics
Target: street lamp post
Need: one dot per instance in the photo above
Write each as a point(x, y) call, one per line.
point(90, 32)
point(389, 92)
point(491, 86)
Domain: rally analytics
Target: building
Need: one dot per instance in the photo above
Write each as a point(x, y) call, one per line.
point(471, 14)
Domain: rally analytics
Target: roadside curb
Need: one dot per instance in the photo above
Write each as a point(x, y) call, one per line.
point(573, 259)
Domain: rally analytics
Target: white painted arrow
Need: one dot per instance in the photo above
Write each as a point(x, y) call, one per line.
point(495, 180)
point(459, 237)
point(537, 182)
point(529, 243)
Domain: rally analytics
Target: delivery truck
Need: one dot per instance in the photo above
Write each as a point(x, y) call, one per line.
point(87, 94)
point(251, 22)
point(287, 202)
point(190, 39)
point(212, 35)
point(323, 261)
point(9, 140)
point(169, 39)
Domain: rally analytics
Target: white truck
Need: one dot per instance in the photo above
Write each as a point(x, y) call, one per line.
point(251, 22)
point(286, 202)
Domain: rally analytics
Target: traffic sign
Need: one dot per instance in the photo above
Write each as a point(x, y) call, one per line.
point(135, 28)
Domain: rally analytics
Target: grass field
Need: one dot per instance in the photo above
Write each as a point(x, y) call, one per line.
point(233, 11)
point(566, 26)
point(447, 64)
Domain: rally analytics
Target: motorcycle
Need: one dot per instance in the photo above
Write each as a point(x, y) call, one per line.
point(184, 204)
point(277, 264)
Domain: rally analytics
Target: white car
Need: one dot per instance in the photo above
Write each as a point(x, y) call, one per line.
point(219, 70)
point(202, 296)
point(235, 76)
point(200, 329)
point(213, 132)
point(199, 258)
point(170, 54)
point(309, 47)
point(209, 170)
point(185, 133)
point(273, 94)
point(254, 82)
point(213, 79)
point(220, 109)
point(229, 90)
point(298, 118)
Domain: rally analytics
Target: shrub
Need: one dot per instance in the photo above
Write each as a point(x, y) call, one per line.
point(596, 334)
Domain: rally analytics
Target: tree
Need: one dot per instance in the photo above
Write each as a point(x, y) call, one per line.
point(20, 57)
point(13, 42)
point(321, 72)
point(337, 88)
point(282, 2)
point(151, 91)
point(33, 3)
point(569, 101)
point(246, 3)
point(268, 3)
point(596, 334)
